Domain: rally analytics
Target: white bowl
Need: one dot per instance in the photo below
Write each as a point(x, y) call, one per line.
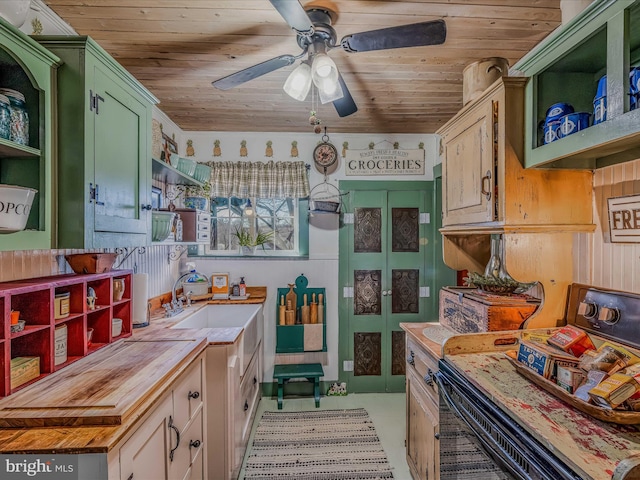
point(116, 327)
point(15, 205)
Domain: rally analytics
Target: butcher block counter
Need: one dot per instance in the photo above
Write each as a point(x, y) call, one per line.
point(90, 405)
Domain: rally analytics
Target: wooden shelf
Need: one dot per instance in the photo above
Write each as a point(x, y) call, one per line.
point(165, 173)
point(15, 150)
point(35, 298)
point(28, 329)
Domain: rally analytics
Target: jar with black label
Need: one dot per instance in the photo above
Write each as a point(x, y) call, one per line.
point(5, 118)
point(19, 116)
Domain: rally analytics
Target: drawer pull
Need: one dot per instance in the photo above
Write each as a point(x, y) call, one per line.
point(193, 395)
point(130, 477)
point(195, 443)
point(436, 436)
point(173, 450)
point(255, 380)
point(411, 360)
point(246, 406)
point(428, 378)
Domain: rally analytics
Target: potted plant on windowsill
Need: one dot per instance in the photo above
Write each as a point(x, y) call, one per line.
point(247, 243)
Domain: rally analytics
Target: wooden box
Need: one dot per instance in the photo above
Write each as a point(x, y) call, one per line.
point(466, 310)
point(24, 369)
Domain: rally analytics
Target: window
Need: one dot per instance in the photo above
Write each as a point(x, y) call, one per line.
point(283, 220)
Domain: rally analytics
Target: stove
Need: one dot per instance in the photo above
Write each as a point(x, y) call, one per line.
point(527, 432)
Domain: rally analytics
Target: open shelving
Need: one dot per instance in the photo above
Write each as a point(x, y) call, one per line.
point(566, 67)
point(35, 299)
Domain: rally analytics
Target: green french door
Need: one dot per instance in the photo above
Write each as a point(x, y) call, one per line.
point(388, 261)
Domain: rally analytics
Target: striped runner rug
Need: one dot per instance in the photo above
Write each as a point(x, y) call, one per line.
point(317, 445)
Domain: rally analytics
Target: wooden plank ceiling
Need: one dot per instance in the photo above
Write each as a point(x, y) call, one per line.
point(176, 48)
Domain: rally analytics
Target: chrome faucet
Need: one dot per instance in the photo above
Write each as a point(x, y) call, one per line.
point(175, 307)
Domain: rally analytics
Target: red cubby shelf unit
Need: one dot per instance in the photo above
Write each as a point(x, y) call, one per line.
point(35, 299)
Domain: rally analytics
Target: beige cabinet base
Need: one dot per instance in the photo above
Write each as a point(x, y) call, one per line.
point(233, 399)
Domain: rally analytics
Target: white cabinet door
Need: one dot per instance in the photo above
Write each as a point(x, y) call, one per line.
point(145, 454)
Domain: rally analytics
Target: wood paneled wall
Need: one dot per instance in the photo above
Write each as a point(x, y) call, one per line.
point(21, 264)
point(613, 265)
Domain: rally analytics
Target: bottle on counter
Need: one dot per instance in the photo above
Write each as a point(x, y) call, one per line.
point(235, 290)
point(242, 287)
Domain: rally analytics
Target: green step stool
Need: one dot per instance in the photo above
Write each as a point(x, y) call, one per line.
point(311, 371)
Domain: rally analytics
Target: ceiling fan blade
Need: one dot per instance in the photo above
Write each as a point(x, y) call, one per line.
point(345, 106)
point(293, 14)
point(413, 35)
point(238, 78)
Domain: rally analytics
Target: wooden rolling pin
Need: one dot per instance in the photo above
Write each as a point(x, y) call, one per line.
point(320, 308)
point(314, 309)
point(305, 310)
point(282, 308)
point(290, 314)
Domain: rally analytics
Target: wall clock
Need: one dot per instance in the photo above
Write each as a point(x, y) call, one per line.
point(325, 154)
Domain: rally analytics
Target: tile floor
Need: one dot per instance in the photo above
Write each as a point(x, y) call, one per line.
point(387, 410)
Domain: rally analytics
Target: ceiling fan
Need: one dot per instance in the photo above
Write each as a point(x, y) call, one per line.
point(316, 36)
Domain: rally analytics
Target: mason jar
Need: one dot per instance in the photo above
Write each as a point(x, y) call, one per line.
point(5, 118)
point(19, 116)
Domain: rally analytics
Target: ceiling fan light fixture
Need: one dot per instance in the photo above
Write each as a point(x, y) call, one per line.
point(298, 82)
point(323, 70)
point(330, 92)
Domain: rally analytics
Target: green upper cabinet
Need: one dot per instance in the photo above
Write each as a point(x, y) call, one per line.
point(104, 148)
point(30, 69)
point(566, 67)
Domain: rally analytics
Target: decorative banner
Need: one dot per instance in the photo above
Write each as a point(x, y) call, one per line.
point(624, 219)
point(384, 162)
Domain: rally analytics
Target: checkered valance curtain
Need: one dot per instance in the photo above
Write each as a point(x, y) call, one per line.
point(259, 179)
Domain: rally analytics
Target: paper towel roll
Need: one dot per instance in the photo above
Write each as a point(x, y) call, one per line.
point(140, 298)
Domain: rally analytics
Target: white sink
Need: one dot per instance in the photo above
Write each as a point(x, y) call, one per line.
point(245, 316)
point(220, 316)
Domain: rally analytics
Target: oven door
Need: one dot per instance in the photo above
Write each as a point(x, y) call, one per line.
point(472, 426)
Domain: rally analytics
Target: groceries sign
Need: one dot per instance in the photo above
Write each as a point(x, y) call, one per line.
point(384, 162)
point(624, 219)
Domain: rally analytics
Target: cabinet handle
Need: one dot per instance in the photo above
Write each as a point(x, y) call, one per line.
point(255, 380)
point(486, 191)
point(130, 477)
point(173, 450)
point(146, 207)
point(193, 395)
point(246, 406)
point(428, 378)
point(411, 359)
point(436, 436)
point(195, 443)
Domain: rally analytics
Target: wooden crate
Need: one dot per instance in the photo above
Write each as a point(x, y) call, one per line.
point(465, 310)
point(24, 369)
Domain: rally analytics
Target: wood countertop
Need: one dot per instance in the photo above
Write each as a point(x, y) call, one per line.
point(594, 449)
point(89, 406)
point(435, 344)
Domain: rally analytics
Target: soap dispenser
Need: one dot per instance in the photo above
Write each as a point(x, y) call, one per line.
point(243, 287)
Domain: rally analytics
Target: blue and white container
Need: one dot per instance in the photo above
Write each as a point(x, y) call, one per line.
point(572, 123)
point(599, 110)
point(634, 80)
point(557, 110)
point(550, 131)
